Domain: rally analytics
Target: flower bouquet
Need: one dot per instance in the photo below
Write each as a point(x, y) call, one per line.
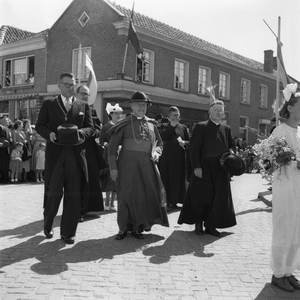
point(272, 154)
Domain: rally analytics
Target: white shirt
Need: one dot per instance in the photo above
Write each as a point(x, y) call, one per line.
point(65, 100)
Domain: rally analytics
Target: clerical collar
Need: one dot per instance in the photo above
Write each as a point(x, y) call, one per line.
point(215, 122)
point(139, 118)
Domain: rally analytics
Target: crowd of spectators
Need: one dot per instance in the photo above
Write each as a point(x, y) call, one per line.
point(19, 145)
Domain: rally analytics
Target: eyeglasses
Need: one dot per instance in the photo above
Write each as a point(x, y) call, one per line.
point(68, 85)
point(84, 94)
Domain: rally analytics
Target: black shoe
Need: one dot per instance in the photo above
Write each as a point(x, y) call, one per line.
point(68, 239)
point(283, 283)
point(80, 219)
point(213, 231)
point(137, 235)
point(199, 229)
point(293, 282)
point(48, 234)
point(120, 235)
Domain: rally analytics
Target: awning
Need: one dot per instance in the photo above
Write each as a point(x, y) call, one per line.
point(18, 96)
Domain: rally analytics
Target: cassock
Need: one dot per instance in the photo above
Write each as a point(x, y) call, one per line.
point(209, 198)
point(95, 163)
point(172, 163)
point(141, 198)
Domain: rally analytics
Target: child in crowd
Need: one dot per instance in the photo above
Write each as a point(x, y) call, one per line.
point(15, 164)
point(40, 163)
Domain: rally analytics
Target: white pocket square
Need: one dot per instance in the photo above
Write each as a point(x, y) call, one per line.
point(81, 113)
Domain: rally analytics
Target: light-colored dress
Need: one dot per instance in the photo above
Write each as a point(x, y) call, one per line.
point(21, 136)
point(285, 256)
point(36, 140)
point(40, 160)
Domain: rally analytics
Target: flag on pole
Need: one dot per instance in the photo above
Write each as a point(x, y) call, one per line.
point(92, 81)
point(280, 66)
point(133, 38)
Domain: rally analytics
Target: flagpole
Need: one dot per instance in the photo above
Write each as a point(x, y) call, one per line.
point(277, 78)
point(125, 55)
point(126, 47)
point(79, 64)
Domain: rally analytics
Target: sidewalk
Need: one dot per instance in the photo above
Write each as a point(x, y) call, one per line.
point(169, 264)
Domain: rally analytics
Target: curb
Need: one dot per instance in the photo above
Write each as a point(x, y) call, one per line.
point(266, 197)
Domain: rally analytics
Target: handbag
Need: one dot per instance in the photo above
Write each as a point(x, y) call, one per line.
point(26, 153)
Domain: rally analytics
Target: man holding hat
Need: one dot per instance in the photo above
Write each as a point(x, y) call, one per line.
point(141, 201)
point(208, 199)
point(65, 123)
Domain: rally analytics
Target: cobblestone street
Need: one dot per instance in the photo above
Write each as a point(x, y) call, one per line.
point(169, 264)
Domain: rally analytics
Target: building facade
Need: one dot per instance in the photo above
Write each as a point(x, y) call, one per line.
point(176, 69)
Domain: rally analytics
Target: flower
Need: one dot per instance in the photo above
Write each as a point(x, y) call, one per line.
point(273, 153)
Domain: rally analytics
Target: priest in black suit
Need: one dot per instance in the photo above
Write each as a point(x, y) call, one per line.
point(95, 160)
point(66, 172)
point(172, 163)
point(209, 198)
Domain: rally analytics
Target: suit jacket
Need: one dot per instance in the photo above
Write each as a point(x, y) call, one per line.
point(5, 135)
point(53, 114)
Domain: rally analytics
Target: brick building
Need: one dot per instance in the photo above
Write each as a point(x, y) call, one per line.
point(176, 70)
point(23, 78)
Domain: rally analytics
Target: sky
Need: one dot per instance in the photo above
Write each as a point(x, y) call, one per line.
point(237, 25)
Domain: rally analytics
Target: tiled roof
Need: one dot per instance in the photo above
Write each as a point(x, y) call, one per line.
point(9, 34)
point(188, 39)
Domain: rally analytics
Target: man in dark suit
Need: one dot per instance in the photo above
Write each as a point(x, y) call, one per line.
point(5, 143)
point(208, 198)
point(66, 172)
point(95, 161)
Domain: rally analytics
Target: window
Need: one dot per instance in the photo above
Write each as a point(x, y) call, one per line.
point(204, 79)
point(263, 129)
point(4, 108)
point(145, 68)
point(226, 117)
point(78, 68)
point(84, 18)
point(243, 129)
point(224, 85)
point(181, 75)
point(245, 91)
point(17, 71)
point(26, 109)
point(263, 96)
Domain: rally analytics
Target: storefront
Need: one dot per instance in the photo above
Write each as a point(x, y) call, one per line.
point(22, 106)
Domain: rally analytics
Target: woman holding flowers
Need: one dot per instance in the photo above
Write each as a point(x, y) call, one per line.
point(285, 254)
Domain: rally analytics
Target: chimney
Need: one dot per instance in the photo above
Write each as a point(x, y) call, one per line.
point(268, 61)
point(275, 63)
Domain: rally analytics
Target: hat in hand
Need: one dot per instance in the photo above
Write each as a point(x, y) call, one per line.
point(68, 135)
point(140, 97)
point(232, 164)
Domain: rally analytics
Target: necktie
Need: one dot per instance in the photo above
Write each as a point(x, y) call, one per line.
point(68, 104)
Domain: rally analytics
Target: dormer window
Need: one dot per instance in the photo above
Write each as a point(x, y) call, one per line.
point(84, 18)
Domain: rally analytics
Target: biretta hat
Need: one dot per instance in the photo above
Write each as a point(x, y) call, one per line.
point(68, 135)
point(232, 164)
point(110, 108)
point(140, 97)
